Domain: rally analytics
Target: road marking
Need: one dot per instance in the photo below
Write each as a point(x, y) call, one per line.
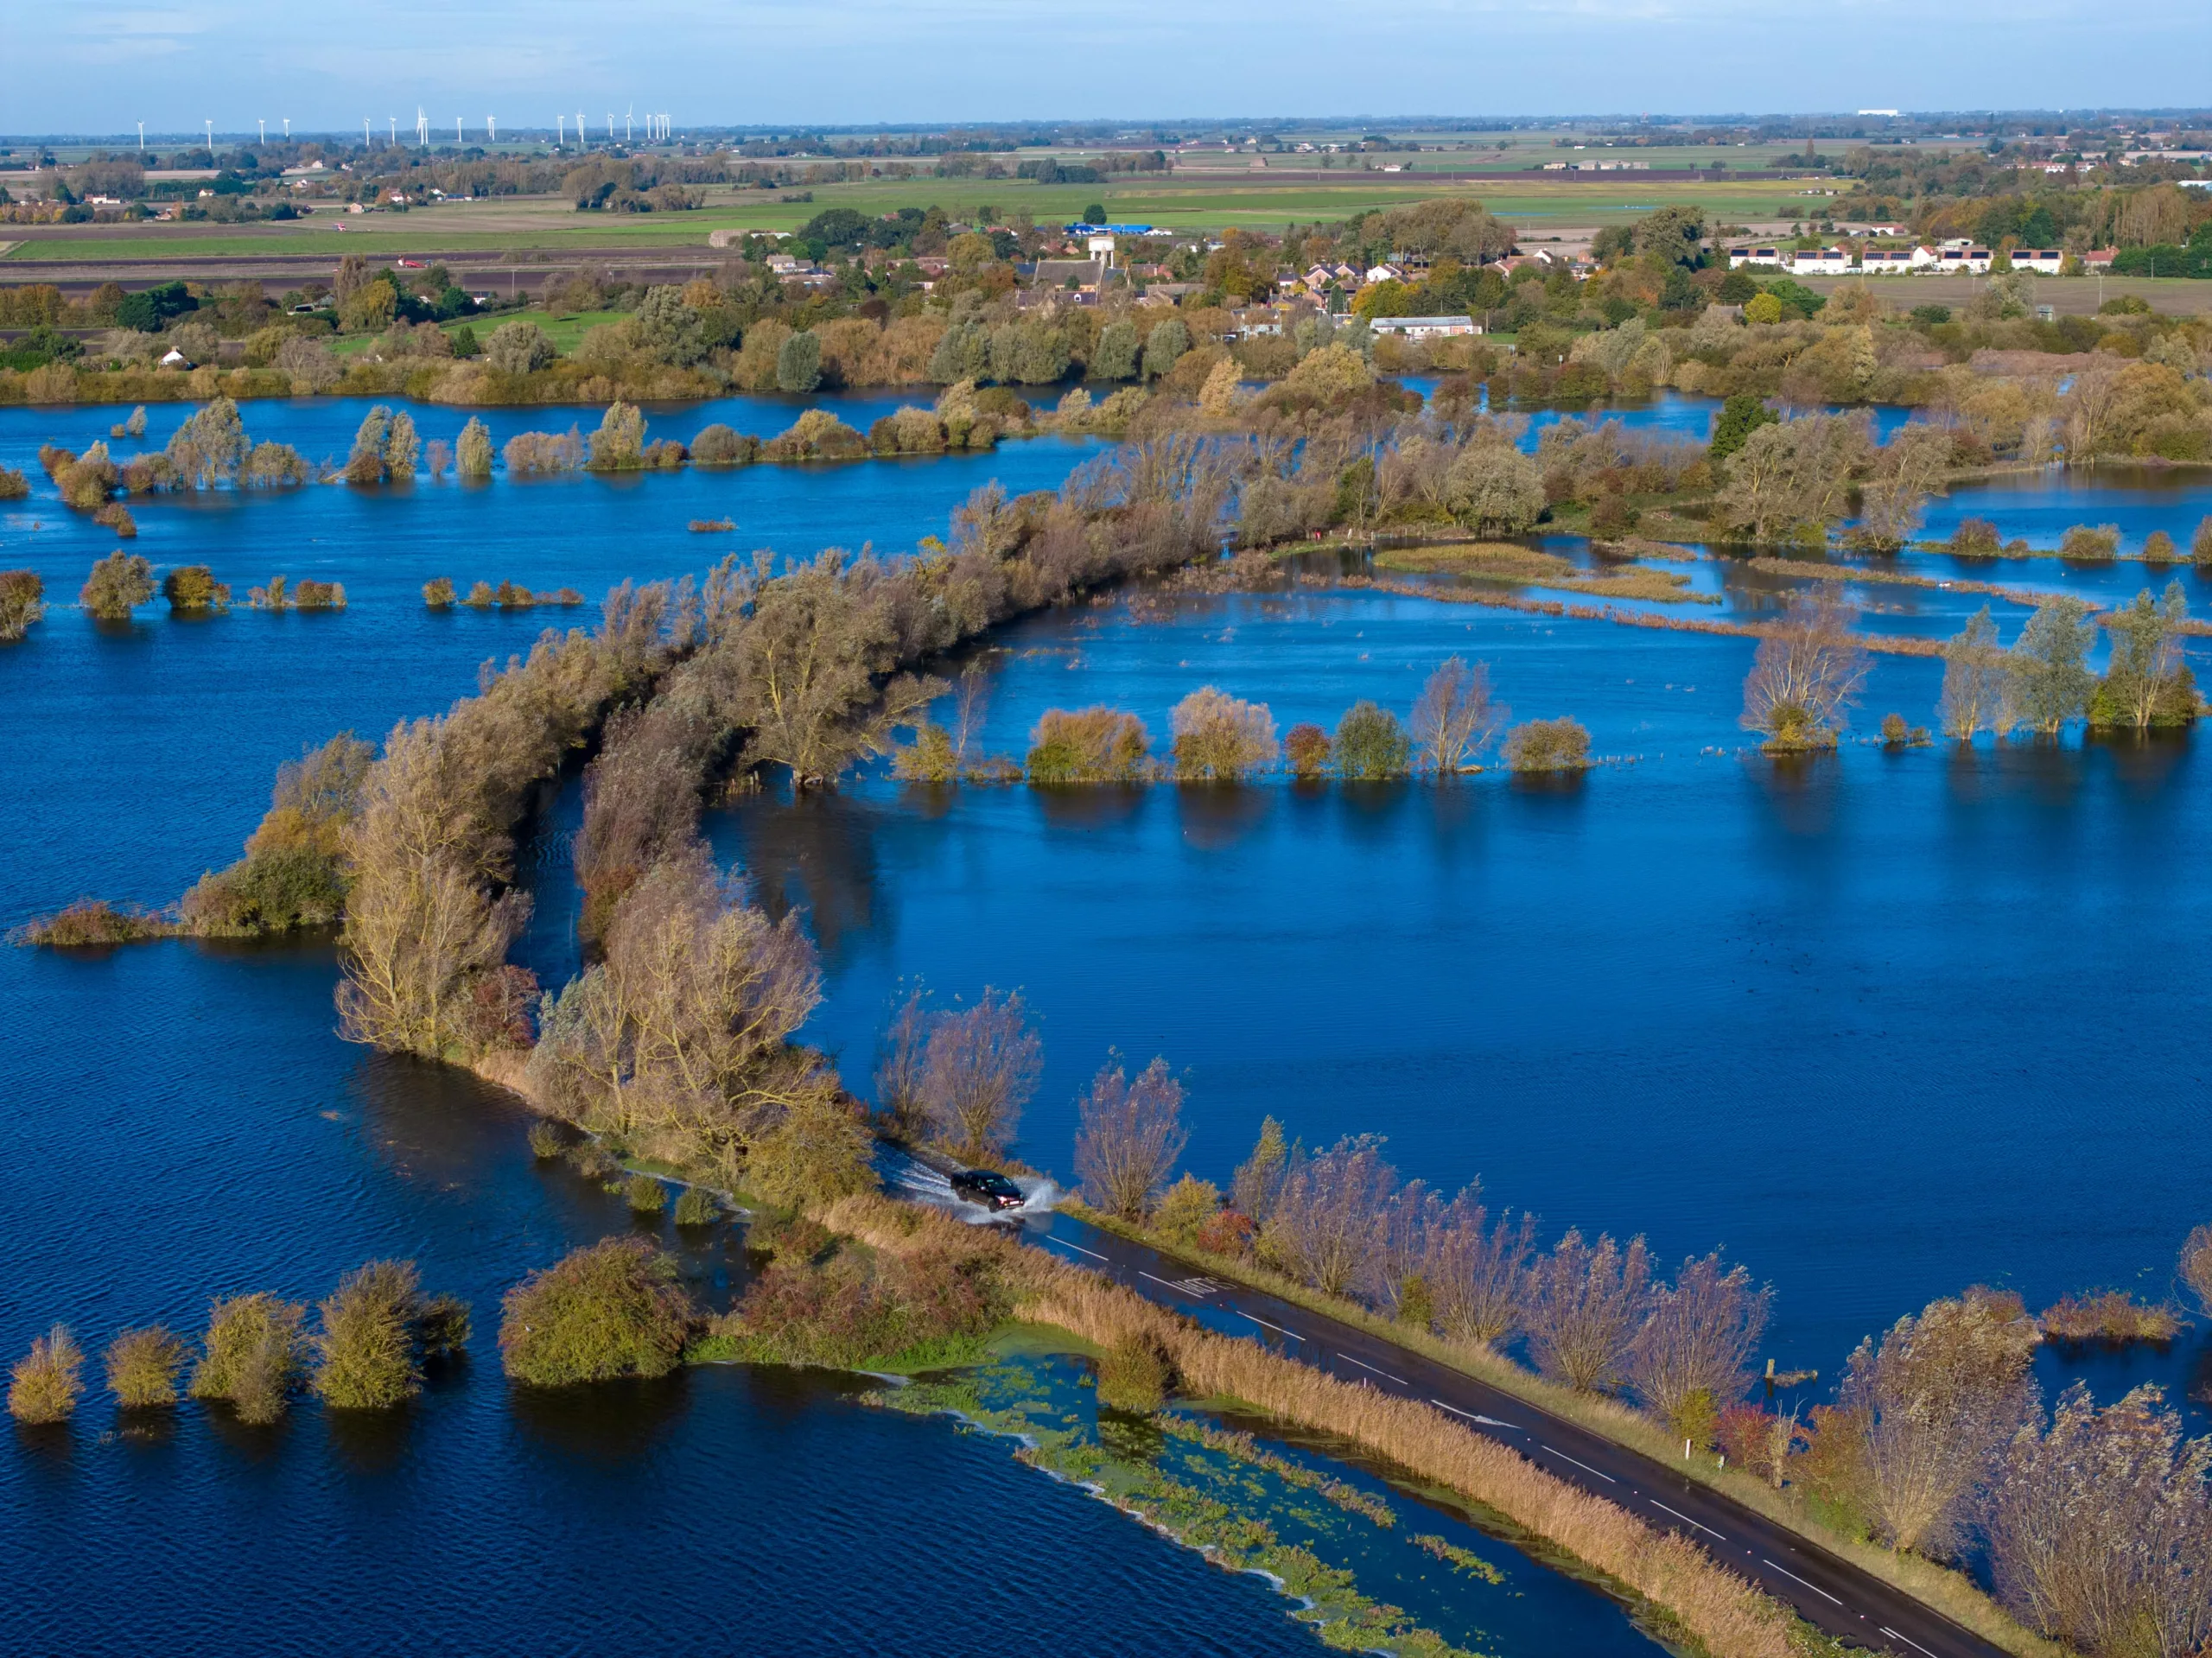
point(1563, 1457)
point(1278, 1329)
point(1364, 1365)
point(1907, 1639)
point(1162, 1282)
point(1815, 1587)
point(1487, 1421)
point(1684, 1518)
point(1078, 1248)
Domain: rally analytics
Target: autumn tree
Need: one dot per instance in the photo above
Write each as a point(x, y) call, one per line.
point(1690, 1360)
point(1494, 490)
point(1939, 1396)
point(1222, 738)
point(1127, 1137)
point(1582, 1308)
point(2048, 680)
point(1906, 471)
point(1791, 480)
point(1327, 1226)
point(1475, 1271)
point(2147, 683)
point(979, 1068)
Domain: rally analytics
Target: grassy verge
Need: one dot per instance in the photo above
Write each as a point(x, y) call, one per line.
point(1947, 1591)
point(1500, 561)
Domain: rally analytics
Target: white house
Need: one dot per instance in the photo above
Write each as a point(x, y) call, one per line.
point(1969, 258)
point(175, 359)
point(2046, 262)
point(1384, 273)
point(1424, 327)
point(1740, 257)
point(1819, 262)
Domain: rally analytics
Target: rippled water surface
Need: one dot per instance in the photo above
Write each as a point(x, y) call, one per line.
point(1882, 1025)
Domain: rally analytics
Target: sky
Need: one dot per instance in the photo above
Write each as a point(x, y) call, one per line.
point(103, 66)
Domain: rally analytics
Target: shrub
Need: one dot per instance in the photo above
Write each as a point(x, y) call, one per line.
point(1548, 745)
point(472, 453)
point(14, 486)
point(118, 584)
point(543, 453)
point(2196, 1266)
point(2200, 544)
point(193, 586)
point(1371, 744)
point(644, 1195)
point(1187, 1209)
point(252, 1355)
point(927, 1308)
point(612, 1309)
point(798, 362)
point(443, 1327)
point(142, 1367)
point(22, 601)
point(1092, 745)
point(2112, 1318)
point(929, 758)
point(719, 446)
point(2099, 543)
point(2159, 549)
point(1975, 538)
point(1894, 732)
point(1306, 750)
point(91, 924)
point(366, 1349)
point(438, 593)
point(618, 444)
point(117, 517)
point(1135, 1374)
point(1221, 738)
point(695, 1206)
point(44, 1385)
point(817, 434)
point(547, 1142)
point(592, 1161)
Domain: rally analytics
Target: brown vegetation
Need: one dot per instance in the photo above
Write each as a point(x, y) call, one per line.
point(44, 1385)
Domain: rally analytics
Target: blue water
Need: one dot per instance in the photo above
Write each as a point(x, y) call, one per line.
point(182, 1122)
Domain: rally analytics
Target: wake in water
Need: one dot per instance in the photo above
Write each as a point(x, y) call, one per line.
point(917, 1180)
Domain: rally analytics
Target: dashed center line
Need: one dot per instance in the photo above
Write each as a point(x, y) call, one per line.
point(1815, 1587)
point(1385, 1374)
point(1907, 1639)
point(1264, 1325)
point(1684, 1518)
point(1585, 1466)
point(1078, 1248)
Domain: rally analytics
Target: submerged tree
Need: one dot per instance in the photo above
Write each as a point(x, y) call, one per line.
point(1475, 1271)
point(1327, 1225)
point(1371, 744)
point(1127, 1137)
point(1257, 1183)
point(1938, 1398)
point(1975, 675)
point(2147, 683)
point(2048, 680)
point(1454, 719)
point(1690, 1360)
point(978, 1070)
point(1221, 738)
point(1583, 1306)
point(1805, 675)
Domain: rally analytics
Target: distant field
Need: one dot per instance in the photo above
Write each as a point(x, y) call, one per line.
point(520, 226)
point(564, 331)
point(2067, 296)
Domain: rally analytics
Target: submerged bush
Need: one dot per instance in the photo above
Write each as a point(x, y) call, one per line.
point(1222, 738)
point(850, 1311)
point(44, 1384)
point(438, 593)
point(2200, 544)
point(142, 1367)
point(1371, 744)
point(90, 923)
point(2159, 549)
point(2092, 543)
point(365, 1352)
point(1092, 745)
point(695, 1206)
point(1975, 538)
point(14, 486)
point(547, 1142)
point(613, 1309)
point(252, 1357)
point(22, 601)
point(2112, 1318)
point(644, 1195)
point(543, 454)
point(1306, 749)
point(118, 584)
point(719, 446)
point(817, 434)
point(193, 586)
point(116, 518)
point(1548, 745)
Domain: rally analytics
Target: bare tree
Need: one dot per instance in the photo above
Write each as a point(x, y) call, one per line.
point(1454, 719)
point(971, 702)
point(1806, 674)
point(899, 1055)
point(1475, 1271)
point(979, 1070)
point(1974, 675)
point(1939, 1396)
point(1907, 470)
point(2196, 1266)
point(1127, 1137)
point(2100, 1527)
point(1327, 1228)
point(1582, 1308)
point(1689, 1360)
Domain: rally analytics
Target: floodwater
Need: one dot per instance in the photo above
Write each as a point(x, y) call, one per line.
point(182, 1122)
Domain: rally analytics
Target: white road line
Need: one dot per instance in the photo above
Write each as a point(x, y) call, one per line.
point(1815, 1587)
point(1684, 1518)
point(1487, 1421)
point(1278, 1329)
point(1907, 1639)
point(1364, 1365)
point(1162, 1282)
point(1078, 1248)
point(1563, 1457)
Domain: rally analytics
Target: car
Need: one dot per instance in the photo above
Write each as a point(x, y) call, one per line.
point(988, 1189)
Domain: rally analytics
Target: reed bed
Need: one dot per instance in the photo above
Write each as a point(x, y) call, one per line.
point(1731, 1617)
point(1805, 571)
point(2109, 1318)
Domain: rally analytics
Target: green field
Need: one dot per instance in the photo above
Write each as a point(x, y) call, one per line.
point(565, 331)
point(520, 226)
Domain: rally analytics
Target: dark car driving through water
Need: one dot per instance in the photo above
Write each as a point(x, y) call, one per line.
point(988, 1189)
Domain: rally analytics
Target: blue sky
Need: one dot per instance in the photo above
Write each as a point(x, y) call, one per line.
point(103, 65)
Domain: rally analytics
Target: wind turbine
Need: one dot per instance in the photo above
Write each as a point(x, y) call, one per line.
point(264, 129)
point(365, 132)
point(287, 129)
point(142, 138)
point(581, 140)
point(394, 121)
point(491, 130)
point(560, 129)
point(456, 132)
point(422, 128)
point(210, 125)
point(626, 122)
